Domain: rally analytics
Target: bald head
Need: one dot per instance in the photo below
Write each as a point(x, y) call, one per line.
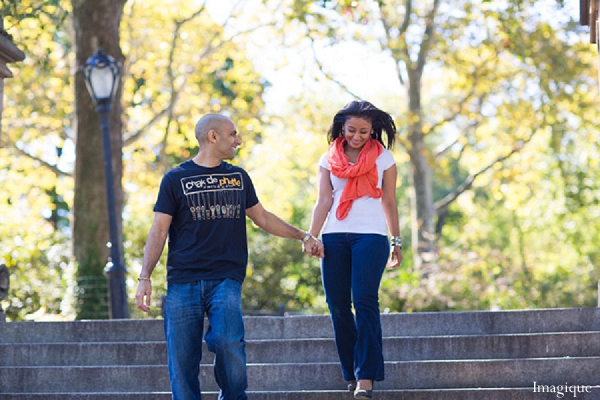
point(207, 123)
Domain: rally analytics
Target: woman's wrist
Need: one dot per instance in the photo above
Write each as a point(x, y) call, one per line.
point(396, 241)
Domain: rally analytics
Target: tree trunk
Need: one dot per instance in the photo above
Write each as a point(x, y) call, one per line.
point(96, 25)
point(423, 218)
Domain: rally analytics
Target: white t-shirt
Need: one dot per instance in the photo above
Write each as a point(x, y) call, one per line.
point(366, 214)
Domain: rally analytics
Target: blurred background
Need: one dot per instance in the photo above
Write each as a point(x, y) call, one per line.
point(496, 104)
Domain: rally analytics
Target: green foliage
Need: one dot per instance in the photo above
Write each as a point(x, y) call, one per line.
point(185, 75)
point(280, 276)
point(513, 253)
point(499, 75)
point(283, 169)
point(15, 12)
point(36, 254)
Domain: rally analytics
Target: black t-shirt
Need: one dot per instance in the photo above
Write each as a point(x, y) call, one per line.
point(207, 237)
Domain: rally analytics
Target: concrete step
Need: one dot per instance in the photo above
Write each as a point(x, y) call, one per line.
point(319, 326)
point(436, 394)
point(518, 373)
point(434, 356)
point(536, 345)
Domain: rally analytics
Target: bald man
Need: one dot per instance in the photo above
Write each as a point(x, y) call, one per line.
point(201, 207)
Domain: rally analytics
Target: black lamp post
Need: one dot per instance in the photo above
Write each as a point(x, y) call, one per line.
point(101, 73)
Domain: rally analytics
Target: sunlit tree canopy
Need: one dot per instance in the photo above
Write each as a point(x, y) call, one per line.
point(498, 148)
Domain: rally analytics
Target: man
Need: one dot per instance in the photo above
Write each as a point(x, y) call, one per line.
point(201, 207)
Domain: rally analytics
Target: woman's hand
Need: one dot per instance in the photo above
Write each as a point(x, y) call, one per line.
point(395, 257)
point(314, 247)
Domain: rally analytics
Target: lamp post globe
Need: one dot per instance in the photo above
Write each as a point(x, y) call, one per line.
point(101, 73)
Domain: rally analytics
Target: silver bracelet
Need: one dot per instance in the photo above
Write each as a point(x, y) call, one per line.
point(144, 279)
point(396, 241)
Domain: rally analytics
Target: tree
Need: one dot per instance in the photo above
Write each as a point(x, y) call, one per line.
point(96, 25)
point(507, 129)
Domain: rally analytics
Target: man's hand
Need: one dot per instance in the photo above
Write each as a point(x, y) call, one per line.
point(143, 295)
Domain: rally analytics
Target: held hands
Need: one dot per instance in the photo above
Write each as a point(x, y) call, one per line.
point(143, 295)
point(313, 247)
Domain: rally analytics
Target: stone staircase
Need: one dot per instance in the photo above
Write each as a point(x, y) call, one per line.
point(520, 355)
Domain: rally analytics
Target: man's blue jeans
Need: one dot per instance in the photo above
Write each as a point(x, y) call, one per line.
point(351, 271)
point(185, 306)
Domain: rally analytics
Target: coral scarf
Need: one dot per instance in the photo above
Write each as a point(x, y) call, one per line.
point(362, 176)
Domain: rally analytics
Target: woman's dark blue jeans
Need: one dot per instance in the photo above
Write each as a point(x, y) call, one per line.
point(351, 271)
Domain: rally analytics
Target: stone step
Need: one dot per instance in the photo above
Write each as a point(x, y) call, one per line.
point(434, 356)
point(578, 344)
point(400, 375)
point(435, 394)
point(319, 326)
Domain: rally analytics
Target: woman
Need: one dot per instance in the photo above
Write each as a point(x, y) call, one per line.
point(356, 206)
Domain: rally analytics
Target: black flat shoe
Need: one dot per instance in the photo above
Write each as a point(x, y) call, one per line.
point(352, 386)
point(363, 394)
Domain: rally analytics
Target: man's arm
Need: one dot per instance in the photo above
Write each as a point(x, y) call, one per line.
point(274, 225)
point(152, 252)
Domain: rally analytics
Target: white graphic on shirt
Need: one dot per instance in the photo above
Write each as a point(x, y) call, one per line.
point(215, 196)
